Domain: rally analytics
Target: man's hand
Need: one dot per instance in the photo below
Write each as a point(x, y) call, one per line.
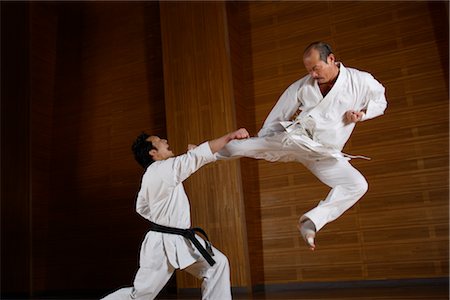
point(239, 134)
point(353, 116)
point(191, 146)
point(217, 144)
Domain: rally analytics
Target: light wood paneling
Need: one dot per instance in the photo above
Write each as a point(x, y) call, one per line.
point(200, 106)
point(403, 220)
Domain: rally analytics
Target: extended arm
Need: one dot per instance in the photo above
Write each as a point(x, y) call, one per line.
point(217, 144)
point(186, 164)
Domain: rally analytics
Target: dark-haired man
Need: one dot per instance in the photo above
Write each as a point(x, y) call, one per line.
point(328, 102)
point(171, 244)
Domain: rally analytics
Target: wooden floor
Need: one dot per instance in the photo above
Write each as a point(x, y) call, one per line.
point(433, 292)
point(413, 290)
point(360, 294)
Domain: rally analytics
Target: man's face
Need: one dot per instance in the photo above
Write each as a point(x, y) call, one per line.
point(162, 150)
point(318, 69)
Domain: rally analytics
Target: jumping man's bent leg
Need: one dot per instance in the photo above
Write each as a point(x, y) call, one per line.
point(348, 186)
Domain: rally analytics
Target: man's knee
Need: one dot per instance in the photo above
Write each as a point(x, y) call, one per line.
point(361, 186)
point(221, 261)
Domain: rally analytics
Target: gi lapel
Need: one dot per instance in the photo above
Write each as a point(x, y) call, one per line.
point(326, 102)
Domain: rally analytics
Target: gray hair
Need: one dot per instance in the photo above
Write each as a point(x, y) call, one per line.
point(323, 48)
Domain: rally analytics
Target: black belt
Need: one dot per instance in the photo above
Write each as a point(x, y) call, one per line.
point(190, 235)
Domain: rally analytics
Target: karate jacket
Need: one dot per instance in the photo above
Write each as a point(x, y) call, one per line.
point(162, 200)
point(323, 117)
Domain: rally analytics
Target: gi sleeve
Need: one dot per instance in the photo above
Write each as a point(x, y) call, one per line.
point(142, 206)
point(283, 110)
point(375, 102)
point(188, 163)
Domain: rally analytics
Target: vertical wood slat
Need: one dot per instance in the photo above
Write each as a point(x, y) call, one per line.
point(43, 31)
point(200, 106)
point(16, 217)
point(244, 117)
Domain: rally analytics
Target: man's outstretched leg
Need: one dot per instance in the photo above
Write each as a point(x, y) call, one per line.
point(148, 282)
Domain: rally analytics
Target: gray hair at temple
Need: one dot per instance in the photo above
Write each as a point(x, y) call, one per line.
point(323, 48)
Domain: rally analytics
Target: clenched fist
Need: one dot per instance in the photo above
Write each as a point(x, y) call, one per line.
point(239, 134)
point(353, 116)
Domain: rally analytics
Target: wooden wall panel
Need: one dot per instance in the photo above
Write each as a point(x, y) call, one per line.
point(200, 106)
point(405, 46)
point(92, 75)
point(15, 146)
point(244, 117)
point(108, 90)
point(43, 33)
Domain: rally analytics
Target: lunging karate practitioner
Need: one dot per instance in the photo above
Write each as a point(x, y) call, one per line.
point(328, 102)
point(171, 244)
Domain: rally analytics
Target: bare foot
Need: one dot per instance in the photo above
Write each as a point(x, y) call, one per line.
point(308, 232)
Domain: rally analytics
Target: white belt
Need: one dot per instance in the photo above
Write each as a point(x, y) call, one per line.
point(301, 136)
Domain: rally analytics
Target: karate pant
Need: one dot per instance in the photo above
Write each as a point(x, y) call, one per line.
point(149, 281)
point(347, 184)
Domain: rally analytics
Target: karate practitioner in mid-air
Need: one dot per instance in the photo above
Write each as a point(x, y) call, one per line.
point(328, 102)
point(171, 243)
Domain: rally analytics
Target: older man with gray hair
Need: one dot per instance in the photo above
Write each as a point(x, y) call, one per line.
point(327, 103)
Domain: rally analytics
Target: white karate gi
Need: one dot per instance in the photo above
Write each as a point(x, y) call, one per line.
point(317, 136)
point(162, 200)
